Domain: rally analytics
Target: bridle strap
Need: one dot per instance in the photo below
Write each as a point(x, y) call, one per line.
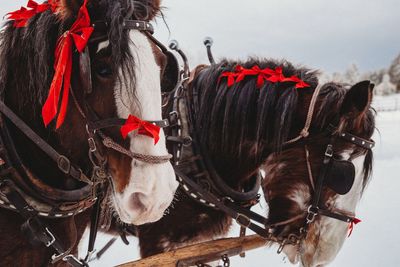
point(314, 209)
point(118, 122)
point(36, 228)
point(63, 163)
point(305, 131)
point(243, 216)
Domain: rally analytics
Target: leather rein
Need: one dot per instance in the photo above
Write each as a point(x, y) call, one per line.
point(32, 204)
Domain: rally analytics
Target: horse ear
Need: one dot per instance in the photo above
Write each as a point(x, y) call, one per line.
point(358, 98)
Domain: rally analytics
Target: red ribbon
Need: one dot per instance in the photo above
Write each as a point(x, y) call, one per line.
point(143, 127)
point(78, 35)
point(22, 16)
point(351, 225)
point(267, 74)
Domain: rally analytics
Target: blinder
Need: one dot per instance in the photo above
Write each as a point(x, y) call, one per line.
point(171, 74)
point(340, 176)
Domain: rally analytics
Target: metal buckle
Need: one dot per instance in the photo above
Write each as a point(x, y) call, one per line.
point(187, 141)
point(53, 239)
point(66, 258)
point(281, 246)
point(173, 118)
point(312, 212)
point(92, 144)
point(243, 220)
point(64, 164)
point(70, 256)
point(329, 151)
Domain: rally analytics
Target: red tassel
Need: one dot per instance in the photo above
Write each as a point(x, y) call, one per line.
point(351, 225)
point(23, 15)
point(143, 127)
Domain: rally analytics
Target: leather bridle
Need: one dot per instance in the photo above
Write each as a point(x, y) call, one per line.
point(31, 204)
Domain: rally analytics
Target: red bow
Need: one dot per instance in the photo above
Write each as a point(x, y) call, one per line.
point(22, 16)
point(144, 128)
point(79, 35)
point(351, 225)
point(263, 75)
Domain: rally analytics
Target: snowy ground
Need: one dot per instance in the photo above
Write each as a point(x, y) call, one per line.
point(374, 242)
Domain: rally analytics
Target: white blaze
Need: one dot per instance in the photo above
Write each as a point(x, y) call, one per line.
point(155, 182)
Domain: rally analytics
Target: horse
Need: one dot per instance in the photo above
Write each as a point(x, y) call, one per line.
point(92, 143)
point(243, 116)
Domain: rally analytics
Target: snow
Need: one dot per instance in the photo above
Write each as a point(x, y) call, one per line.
point(374, 242)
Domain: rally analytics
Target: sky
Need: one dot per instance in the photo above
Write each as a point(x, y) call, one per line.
point(320, 34)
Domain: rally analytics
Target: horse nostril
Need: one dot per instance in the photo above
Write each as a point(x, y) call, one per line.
point(136, 201)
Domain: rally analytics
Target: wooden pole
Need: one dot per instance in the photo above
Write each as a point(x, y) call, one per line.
point(203, 252)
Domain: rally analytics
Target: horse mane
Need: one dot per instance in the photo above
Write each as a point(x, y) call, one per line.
point(243, 113)
point(27, 54)
point(229, 119)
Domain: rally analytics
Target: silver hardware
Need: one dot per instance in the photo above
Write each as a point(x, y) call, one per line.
point(329, 151)
point(311, 215)
point(53, 239)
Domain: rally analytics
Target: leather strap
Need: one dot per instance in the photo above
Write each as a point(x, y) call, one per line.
point(36, 228)
point(117, 122)
point(63, 163)
point(242, 216)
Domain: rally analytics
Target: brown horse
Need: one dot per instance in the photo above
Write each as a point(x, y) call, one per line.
point(240, 126)
point(115, 74)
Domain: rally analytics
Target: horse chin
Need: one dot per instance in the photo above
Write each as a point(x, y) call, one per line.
point(320, 250)
point(142, 203)
point(291, 253)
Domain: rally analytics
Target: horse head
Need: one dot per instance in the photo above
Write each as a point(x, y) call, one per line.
point(117, 74)
point(301, 176)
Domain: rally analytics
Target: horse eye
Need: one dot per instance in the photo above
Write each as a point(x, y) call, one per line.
point(104, 71)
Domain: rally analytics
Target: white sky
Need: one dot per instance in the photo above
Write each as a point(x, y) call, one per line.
point(329, 35)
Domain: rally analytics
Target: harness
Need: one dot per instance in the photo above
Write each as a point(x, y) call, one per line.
point(32, 202)
point(208, 188)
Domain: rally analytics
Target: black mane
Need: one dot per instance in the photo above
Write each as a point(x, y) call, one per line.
point(241, 119)
point(230, 117)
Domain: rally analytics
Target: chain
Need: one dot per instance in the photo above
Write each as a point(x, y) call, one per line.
point(225, 262)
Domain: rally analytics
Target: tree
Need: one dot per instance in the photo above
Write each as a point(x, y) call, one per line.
point(374, 76)
point(352, 74)
point(394, 72)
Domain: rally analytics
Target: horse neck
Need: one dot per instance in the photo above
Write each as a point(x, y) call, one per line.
point(33, 158)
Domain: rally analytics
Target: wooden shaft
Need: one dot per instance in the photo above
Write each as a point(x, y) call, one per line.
point(207, 250)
